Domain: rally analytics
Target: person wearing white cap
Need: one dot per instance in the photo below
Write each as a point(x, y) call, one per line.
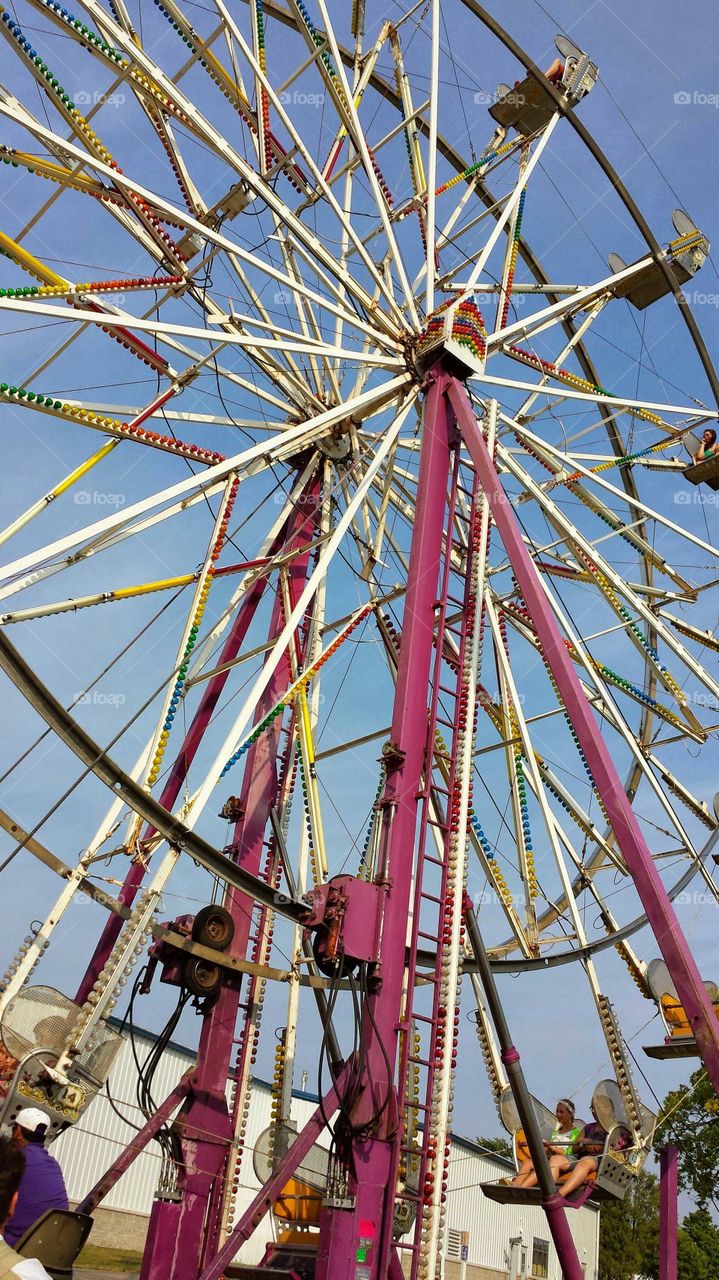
point(12, 1265)
point(42, 1186)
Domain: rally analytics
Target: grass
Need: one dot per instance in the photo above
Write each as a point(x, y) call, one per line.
point(94, 1257)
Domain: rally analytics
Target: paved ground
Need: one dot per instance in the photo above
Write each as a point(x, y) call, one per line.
point(106, 1275)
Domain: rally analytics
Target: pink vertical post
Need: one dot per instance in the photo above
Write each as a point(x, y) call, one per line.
point(370, 1218)
point(183, 1237)
point(655, 900)
point(668, 1218)
point(180, 768)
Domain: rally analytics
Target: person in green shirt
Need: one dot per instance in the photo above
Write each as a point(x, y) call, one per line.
point(708, 447)
point(558, 1146)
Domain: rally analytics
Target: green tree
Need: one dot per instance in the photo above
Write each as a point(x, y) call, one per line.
point(629, 1232)
point(691, 1261)
point(689, 1119)
point(500, 1146)
point(705, 1234)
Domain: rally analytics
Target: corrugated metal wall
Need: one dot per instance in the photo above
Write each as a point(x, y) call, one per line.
point(87, 1150)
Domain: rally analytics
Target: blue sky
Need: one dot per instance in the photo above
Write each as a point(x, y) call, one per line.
point(655, 114)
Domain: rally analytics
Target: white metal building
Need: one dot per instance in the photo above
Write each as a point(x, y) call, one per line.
point(504, 1242)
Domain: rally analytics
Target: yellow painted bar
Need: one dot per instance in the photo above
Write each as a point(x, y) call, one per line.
point(84, 467)
point(58, 173)
point(162, 584)
point(30, 262)
point(311, 781)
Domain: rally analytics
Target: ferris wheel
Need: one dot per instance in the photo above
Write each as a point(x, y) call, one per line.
point(340, 511)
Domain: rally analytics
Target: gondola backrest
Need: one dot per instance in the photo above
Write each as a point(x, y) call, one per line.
point(672, 1011)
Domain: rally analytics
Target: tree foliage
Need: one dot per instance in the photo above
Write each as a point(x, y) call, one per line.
point(629, 1233)
point(704, 1233)
point(691, 1263)
point(689, 1120)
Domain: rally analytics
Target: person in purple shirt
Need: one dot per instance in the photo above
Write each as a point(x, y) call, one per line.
point(42, 1185)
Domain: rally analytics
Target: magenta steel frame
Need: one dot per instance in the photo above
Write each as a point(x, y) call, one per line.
point(654, 897)
point(182, 763)
point(184, 1236)
point(668, 1212)
point(372, 1157)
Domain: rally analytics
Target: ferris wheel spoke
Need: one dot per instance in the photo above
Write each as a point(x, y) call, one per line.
point(515, 771)
point(256, 457)
point(574, 303)
point(57, 490)
point(134, 190)
point(362, 76)
point(173, 694)
point(306, 754)
point(295, 224)
point(616, 589)
point(510, 205)
point(228, 754)
point(577, 338)
point(309, 326)
point(628, 532)
point(295, 207)
point(360, 143)
point(614, 679)
point(651, 513)
point(597, 397)
point(596, 691)
point(112, 595)
point(245, 342)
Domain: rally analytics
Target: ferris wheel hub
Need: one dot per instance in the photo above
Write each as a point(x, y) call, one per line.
point(456, 334)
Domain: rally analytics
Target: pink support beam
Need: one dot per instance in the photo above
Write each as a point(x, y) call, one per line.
point(553, 1204)
point(181, 766)
point(668, 1219)
point(367, 1226)
point(184, 1240)
point(136, 1146)
point(286, 1167)
point(659, 910)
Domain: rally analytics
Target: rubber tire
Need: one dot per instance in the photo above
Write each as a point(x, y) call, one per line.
point(201, 977)
point(214, 927)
